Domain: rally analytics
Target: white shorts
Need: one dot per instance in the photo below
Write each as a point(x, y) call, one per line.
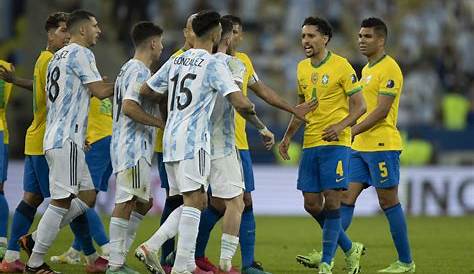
point(134, 181)
point(68, 171)
point(190, 174)
point(226, 178)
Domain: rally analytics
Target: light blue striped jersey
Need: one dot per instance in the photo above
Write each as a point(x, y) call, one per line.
point(222, 119)
point(70, 69)
point(192, 81)
point(131, 140)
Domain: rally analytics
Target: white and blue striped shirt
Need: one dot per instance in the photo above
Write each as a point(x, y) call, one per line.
point(192, 81)
point(70, 69)
point(131, 140)
point(223, 123)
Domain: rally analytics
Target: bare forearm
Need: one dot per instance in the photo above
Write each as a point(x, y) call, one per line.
point(24, 83)
point(271, 97)
point(293, 127)
point(136, 113)
point(251, 116)
point(371, 120)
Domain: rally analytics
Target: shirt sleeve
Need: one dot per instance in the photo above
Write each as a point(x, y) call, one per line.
point(159, 81)
point(220, 78)
point(348, 80)
point(136, 80)
point(85, 67)
point(237, 69)
point(390, 82)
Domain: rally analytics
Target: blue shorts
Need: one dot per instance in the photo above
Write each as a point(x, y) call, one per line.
point(99, 164)
point(36, 175)
point(162, 171)
point(247, 170)
point(3, 159)
point(380, 169)
point(323, 167)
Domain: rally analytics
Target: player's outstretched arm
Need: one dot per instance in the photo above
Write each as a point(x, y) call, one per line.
point(271, 97)
point(135, 112)
point(101, 89)
point(357, 108)
point(10, 77)
point(380, 112)
point(247, 110)
point(293, 127)
point(147, 92)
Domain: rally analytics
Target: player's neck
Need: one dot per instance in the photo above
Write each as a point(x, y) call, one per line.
point(79, 41)
point(186, 46)
point(143, 57)
point(203, 44)
point(374, 58)
point(222, 48)
point(317, 59)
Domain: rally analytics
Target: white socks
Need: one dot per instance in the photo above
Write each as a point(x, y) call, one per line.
point(188, 230)
point(167, 230)
point(118, 233)
point(77, 208)
point(229, 244)
point(135, 220)
point(11, 256)
point(105, 250)
point(47, 231)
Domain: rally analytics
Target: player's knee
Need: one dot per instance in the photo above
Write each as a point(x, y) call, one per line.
point(218, 205)
point(312, 207)
point(386, 201)
point(88, 197)
point(248, 199)
point(32, 199)
point(348, 198)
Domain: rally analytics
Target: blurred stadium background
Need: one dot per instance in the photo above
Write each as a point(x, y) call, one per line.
point(431, 39)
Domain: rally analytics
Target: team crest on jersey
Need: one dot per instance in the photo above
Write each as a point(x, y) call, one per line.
point(325, 79)
point(390, 84)
point(314, 78)
point(353, 78)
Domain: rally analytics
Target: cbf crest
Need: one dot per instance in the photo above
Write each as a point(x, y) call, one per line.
point(325, 79)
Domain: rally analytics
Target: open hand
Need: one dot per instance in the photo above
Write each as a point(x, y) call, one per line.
point(268, 138)
point(332, 132)
point(304, 108)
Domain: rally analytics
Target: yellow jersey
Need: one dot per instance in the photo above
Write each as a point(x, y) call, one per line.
point(240, 123)
point(384, 77)
point(331, 83)
point(5, 92)
point(159, 131)
point(35, 133)
point(100, 119)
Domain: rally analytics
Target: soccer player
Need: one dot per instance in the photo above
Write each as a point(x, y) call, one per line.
point(324, 164)
point(133, 141)
point(71, 80)
point(215, 210)
point(175, 201)
point(377, 143)
point(5, 91)
point(194, 79)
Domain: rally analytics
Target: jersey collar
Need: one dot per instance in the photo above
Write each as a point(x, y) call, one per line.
point(378, 61)
point(322, 62)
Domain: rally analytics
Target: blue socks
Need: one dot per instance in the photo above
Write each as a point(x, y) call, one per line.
point(398, 228)
point(247, 237)
point(22, 220)
point(171, 204)
point(343, 240)
point(331, 229)
point(209, 217)
point(80, 228)
point(347, 211)
point(96, 227)
point(3, 215)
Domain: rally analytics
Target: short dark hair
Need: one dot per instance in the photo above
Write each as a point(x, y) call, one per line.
point(205, 21)
point(379, 26)
point(78, 16)
point(234, 19)
point(143, 30)
point(54, 19)
point(323, 26)
point(227, 26)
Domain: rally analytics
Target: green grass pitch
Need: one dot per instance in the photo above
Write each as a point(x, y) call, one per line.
point(440, 245)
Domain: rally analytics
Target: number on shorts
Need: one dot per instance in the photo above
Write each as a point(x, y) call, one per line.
point(383, 169)
point(339, 169)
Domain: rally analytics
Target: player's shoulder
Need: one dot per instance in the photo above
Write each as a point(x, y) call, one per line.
point(339, 60)
point(390, 65)
point(242, 56)
point(178, 53)
point(303, 65)
point(44, 57)
point(5, 63)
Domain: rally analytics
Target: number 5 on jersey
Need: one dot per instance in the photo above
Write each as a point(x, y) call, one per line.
point(183, 91)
